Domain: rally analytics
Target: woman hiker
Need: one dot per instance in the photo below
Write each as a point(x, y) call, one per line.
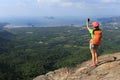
point(96, 35)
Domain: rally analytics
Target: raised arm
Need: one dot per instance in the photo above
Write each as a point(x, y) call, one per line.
point(87, 24)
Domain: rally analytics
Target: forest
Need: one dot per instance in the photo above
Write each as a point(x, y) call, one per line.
point(27, 52)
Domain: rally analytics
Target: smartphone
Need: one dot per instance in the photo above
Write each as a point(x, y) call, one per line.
point(88, 20)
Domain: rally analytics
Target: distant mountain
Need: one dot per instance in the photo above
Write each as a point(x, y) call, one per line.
point(49, 17)
point(2, 25)
point(109, 20)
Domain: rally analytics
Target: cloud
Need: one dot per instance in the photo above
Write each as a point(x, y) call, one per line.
point(62, 3)
point(80, 4)
point(55, 1)
point(66, 4)
point(110, 1)
point(48, 1)
point(40, 1)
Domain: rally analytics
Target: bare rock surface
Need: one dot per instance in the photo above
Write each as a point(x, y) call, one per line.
point(108, 69)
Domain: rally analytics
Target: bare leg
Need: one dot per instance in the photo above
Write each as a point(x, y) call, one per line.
point(93, 57)
point(96, 57)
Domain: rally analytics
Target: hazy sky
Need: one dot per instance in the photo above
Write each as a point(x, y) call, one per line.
point(83, 8)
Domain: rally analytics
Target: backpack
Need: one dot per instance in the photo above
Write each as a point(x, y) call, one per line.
point(97, 37)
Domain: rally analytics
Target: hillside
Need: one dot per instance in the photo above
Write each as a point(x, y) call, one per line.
point(107, 69)
point(33, 51)
point(6, 39)
point(109, 20)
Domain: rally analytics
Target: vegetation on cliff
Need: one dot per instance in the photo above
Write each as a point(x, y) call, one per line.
point(32, 51)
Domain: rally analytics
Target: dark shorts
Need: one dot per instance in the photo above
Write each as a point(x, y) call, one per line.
point(92, 46)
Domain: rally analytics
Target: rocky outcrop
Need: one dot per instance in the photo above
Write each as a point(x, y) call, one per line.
point(108, 69)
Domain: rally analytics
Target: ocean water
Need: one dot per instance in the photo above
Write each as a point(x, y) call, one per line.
point(46, 21)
